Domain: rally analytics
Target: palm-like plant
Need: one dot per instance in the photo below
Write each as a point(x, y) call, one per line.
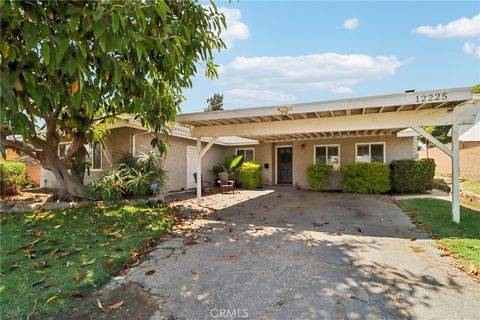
point(228, 165)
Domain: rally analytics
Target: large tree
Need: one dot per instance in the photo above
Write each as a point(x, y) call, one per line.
point(215, 103)
point(70, 67)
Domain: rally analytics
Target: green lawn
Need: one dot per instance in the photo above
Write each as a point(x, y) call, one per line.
point(50, 259)
point(463, 239)
point(471, 185)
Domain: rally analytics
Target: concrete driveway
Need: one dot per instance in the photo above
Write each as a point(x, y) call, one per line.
point(285, 254)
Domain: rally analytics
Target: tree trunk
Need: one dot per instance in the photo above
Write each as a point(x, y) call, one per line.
point(71, 184)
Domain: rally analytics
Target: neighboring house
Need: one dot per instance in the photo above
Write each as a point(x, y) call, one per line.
point(33, 166)
point(469, 153)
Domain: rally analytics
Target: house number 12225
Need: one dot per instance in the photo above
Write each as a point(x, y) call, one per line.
point(432, 97)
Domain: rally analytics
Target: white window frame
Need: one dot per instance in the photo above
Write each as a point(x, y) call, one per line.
point(326, 146)
point(101, 154)
point(370, 150)
point(244, 152)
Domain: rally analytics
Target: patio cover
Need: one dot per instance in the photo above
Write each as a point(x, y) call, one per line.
point(365, 116)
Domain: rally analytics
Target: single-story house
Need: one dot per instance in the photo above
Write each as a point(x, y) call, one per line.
point(469, 153)
point(286, 139)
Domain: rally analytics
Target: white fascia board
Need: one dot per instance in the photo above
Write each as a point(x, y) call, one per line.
point(461, 114)
point(456, 94)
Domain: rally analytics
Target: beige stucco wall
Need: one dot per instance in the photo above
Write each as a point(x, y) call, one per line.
point(118, 141)
point(469, 159)
point(303, 154)
point(176, 159)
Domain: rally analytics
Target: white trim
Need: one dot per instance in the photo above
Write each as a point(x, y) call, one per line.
point(391, 100)
point(370, 150)
point(253, 149)
point(326, 152)
point(276, 163)
point(193, 164)
point(464, 113)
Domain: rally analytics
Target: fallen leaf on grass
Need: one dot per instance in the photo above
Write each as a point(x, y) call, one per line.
point(253, 251)
point(39, 282)
point(100, 305)
point(150, 272)
point(86, 263)
point(51, 298)
point(107, 265)
point(116, 305)
point(79, 276)
point(189, 242)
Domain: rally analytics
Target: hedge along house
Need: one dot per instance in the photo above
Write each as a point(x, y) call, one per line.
point(339, 132)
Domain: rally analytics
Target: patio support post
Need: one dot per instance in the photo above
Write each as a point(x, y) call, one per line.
point(455, 174)
point(199, 171)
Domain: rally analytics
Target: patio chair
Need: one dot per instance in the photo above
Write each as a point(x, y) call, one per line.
point(225, 184)
point(206, 185)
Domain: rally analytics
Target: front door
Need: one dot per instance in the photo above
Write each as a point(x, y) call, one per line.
point(191, 166)
point(284, 165)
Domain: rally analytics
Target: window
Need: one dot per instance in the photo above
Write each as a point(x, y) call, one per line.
point(247, 153)
point(94, 154)
point(63, 149)
point(328, 154)
point(370, 152)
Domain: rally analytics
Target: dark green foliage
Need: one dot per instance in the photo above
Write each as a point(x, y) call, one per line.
point(412, 176)
point(69, 67)
point(228, 165)
point(318, 175)
point(250, 175)
point(215, 103)
point(366, 178)
point(13, 175)
point(439, 132)
point(133, 176)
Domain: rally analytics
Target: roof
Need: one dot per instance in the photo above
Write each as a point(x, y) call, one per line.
point(393, 105)
point(469, 132)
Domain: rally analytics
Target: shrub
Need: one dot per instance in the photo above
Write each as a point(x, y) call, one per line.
point(412, 176)
point(13, 175)
point(250, 175)
point(366, 178)
point(133, 176)
point(318, 175)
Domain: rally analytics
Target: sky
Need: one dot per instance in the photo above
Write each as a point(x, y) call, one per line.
point(285, 52)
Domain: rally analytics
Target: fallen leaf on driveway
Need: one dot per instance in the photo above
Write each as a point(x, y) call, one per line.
point(195, 277)
point(116, 305)
point(230, 257)
point(236, 237)
point(99, 305)
point(444, 254)
point(317, 225)
point(309, 243)
point(208, 239)
point(338, 233)
point(150, 272)
point(472, 270)
point(413, 239)
point(381, 220)
point(253, 251)
point(290, 225)
point(189, 242)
